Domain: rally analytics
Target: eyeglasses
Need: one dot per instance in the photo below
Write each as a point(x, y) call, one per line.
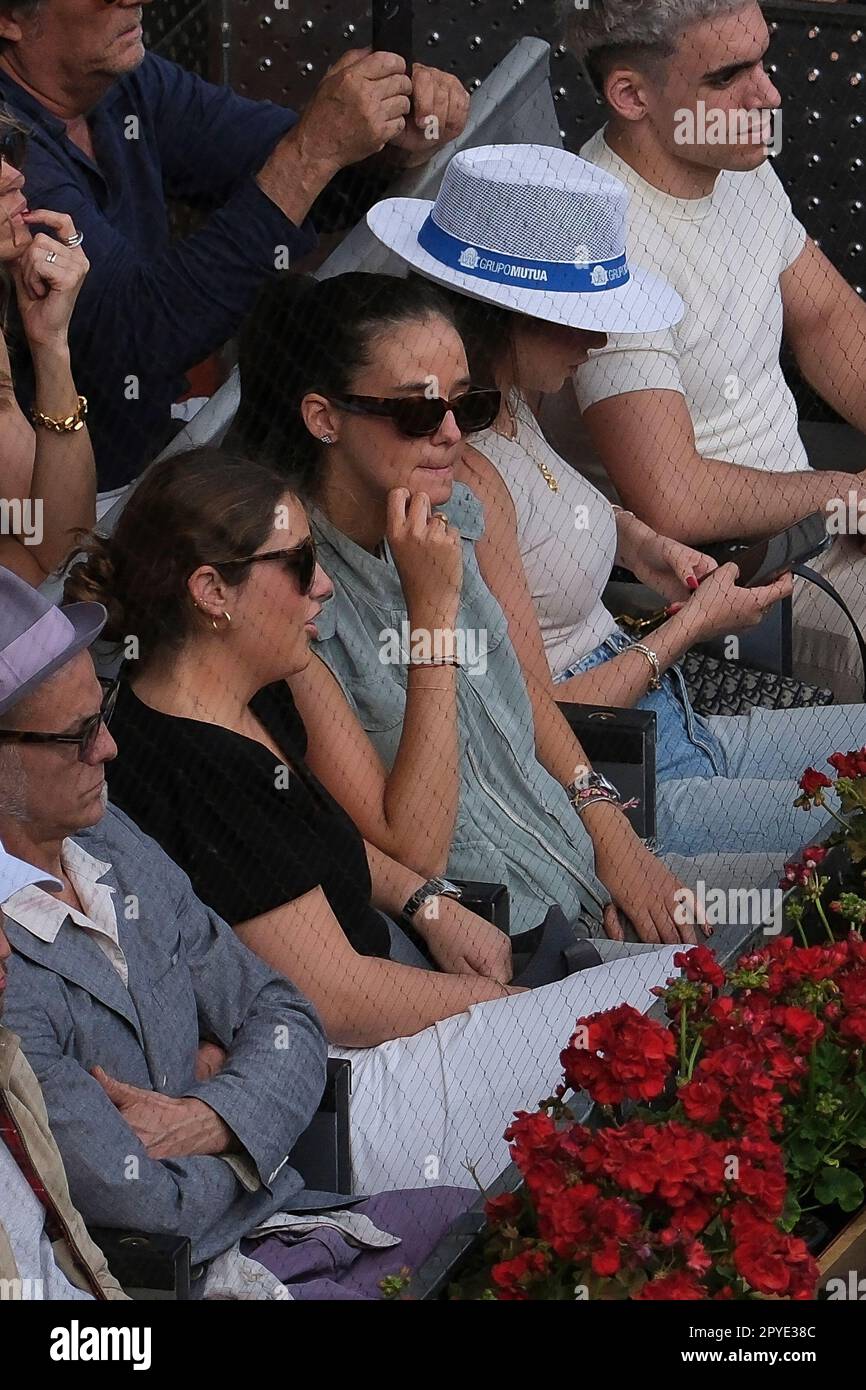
point(13, 146)
point(300, 562)
point(90, 729)
point(420, 416)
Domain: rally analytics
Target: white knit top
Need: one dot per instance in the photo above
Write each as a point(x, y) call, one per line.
point(567, 538)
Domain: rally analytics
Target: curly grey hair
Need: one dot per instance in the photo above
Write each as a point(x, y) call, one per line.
point(606, 30)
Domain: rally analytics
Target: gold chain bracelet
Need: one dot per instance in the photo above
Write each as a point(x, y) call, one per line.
point(67, 426)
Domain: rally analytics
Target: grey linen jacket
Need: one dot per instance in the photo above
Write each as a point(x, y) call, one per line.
point(189, 978)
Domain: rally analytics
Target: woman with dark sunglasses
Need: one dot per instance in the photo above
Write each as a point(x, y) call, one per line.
point(212, 590)
point(47, 476)
point(523, 817)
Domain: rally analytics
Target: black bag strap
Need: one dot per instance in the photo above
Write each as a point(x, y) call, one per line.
point(812, 577)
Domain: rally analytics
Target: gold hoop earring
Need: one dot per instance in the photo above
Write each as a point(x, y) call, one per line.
point(215, 625)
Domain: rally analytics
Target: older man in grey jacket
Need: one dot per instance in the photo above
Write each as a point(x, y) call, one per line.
point(45, 1250)
point(116, 978)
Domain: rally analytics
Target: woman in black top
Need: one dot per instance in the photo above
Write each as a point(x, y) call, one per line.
point(212, 760)
point(214, 601)
point(248, 837)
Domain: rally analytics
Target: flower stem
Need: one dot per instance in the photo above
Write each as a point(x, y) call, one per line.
point(684, 1028)
point(822, 914)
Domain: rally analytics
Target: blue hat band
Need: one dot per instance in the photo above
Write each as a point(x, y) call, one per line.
point(559, 276)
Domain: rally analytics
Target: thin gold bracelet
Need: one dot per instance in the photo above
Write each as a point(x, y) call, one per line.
point(69, 425)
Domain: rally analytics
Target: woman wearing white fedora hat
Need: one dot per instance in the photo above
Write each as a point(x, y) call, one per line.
point(725, 783)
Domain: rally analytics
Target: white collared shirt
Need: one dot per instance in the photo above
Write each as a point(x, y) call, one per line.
point(43, 915)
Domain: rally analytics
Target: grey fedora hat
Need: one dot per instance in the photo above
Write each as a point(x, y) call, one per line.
point(37, 637)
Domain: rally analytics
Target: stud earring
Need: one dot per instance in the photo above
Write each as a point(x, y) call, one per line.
point(327, 438)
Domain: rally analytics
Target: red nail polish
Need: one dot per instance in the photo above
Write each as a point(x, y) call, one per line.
point(692, 582)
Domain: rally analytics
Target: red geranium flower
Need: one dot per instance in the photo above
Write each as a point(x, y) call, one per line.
point(697, 1257)
point(702, 1100)
point(619, 1055)
point(852, 987)
point(799, 1024)
point(677, 1285)
point(813, 855)
point(853, 1028)
point(849, 764)
point(566, 1219)
point(814, 781)
point(856, 948)
point(700, 965)
point(774, 1263)
point(503, 1210)
point(514, 1277)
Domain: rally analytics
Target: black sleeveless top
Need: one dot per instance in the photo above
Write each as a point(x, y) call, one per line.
point(252, 834)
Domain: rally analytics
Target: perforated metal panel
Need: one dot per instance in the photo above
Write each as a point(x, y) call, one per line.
point(818, 61)
point(281, 48)
point(266, 49)
point(181, 30)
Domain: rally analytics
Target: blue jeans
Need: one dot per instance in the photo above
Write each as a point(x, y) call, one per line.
point(751, 809)
point(727, 784)
point(685, 744)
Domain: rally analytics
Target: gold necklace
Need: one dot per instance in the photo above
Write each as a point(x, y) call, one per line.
point(542, 466)
point(548, 476)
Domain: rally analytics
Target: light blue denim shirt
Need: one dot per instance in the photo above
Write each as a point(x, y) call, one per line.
point(515, 824)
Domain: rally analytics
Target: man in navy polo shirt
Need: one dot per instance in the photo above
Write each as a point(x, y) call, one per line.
point(114, 131)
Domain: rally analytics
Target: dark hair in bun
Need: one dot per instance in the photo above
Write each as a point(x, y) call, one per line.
point(189, 510)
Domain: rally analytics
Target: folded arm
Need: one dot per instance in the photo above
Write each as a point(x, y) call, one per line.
point(112, 1178)
point(274, 1074)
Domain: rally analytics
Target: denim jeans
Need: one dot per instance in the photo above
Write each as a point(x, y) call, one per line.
point(727, 784)
point(685, 744)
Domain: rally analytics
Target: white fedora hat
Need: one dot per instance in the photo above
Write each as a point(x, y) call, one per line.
point(535, 229)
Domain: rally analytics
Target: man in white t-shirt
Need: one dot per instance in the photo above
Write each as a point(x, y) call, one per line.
point(697, 427)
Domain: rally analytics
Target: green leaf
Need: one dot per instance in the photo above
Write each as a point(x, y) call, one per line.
point(839, 1185)
point(803, 1152)
point(791, 1212)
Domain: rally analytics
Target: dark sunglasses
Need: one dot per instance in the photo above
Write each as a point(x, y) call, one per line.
point(86, 739)
point(419, 416)
point(13, 147)
point(300, 562)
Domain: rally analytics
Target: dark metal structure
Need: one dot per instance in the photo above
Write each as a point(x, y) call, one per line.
point(267, 48)
point(278, 50)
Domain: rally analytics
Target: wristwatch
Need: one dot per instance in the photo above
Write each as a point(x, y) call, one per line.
point(433, 888)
